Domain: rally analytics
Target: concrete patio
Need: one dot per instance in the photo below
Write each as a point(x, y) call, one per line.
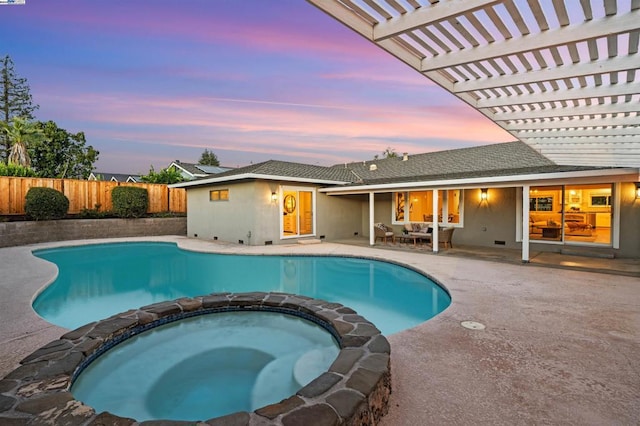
point(560, 345)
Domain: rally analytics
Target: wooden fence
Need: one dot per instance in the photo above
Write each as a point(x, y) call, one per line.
point(87, 194)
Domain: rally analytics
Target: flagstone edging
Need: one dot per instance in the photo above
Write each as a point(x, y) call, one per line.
point(354, 391)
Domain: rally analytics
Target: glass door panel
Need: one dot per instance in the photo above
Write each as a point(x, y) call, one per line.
point(290, 213)
point(306, 212)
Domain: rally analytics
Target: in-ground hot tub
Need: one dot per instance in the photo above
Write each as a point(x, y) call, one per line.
point(207, 366)
point(353, 389)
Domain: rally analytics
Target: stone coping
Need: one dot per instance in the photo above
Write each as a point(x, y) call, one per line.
point(354, 391)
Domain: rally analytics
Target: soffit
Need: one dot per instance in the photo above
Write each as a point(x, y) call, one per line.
point(560, 76)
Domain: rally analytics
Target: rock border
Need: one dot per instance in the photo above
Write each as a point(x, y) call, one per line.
point(354, 391)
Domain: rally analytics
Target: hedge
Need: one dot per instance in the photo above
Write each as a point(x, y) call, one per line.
point(129, 201)
point(45, 204)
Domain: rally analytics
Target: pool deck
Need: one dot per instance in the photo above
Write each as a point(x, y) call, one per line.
point(561, 346)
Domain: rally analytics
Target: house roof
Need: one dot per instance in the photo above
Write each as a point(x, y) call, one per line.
point(199, 170)
point(495, 160)
point(464, 162)
point(278, 170)
point(561, 76)
point(116, 177)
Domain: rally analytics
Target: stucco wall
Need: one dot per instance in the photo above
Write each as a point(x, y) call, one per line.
point(486, 222)
point(337, 217)
point(249, 209)
point(629, 222)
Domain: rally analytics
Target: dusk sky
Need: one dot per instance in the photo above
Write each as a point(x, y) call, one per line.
point(152, 81)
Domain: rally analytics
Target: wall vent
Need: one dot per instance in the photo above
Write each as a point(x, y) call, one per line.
point(268, 243)
point(240, 241)
point(215, 238)
point(499, 243)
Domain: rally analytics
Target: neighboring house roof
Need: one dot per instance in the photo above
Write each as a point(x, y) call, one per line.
point(197, 170)
point(113, 177)
point(497, 162)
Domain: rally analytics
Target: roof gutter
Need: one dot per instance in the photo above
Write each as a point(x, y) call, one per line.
point(623, 174)
point(244, 176)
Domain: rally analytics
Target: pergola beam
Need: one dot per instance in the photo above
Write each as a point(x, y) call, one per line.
point(589, 30)
point(610, 65)
point(426, 15)
point(593, 143)
point(616, 108)
point(619, 89)
point(527, 136)
point(575, 122)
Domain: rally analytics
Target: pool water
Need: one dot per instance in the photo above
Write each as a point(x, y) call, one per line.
point(97, 281)
point(207, 366)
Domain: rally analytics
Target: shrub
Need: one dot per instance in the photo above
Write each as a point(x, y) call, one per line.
point(94, 213)
point(129, 201)
point(45, 204)
point(12, 169)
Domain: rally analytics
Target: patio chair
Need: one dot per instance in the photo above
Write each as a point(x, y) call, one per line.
point(383, 232)
point(444, 237)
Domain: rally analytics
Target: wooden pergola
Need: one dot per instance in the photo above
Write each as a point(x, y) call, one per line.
point(561, 76)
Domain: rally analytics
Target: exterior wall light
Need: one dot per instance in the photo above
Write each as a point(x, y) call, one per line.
point(274, 197)
point(483, 194)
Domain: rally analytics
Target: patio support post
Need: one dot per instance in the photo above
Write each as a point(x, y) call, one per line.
point(434, 235)
point(372, 235)
point(525, 222)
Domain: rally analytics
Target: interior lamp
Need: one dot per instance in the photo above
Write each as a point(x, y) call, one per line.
point(483, 194)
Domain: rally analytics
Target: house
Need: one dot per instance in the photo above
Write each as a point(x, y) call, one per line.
point(190, 171)
point(113, 177)
point(500, 195)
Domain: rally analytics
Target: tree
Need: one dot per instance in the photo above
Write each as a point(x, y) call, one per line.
point(208, 158)
point(15, 101)
point(20, 134)
point(62, 154)
point(168, 176)
point(389, 153)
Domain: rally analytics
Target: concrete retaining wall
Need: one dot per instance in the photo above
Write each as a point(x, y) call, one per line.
point(22, 233)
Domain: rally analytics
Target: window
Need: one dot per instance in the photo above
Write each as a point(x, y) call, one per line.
point(540, 204)
point(600, 201)
point(578, 213)
point(417, 206)
point(219, 195)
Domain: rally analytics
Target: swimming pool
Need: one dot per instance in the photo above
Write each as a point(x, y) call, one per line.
point(99, 280)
